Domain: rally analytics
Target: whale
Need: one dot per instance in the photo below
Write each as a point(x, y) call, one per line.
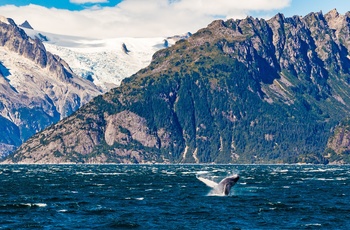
point(223, 187)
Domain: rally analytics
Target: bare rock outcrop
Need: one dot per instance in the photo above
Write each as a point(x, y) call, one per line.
point(126, 126)
point(37, 88)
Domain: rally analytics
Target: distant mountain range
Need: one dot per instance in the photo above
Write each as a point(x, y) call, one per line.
point(238, 91)
point(39, 88)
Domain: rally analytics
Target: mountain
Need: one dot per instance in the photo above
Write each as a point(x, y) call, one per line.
point(104, 62)
point(26, 25)
point(237, 91)
point(338, 145)
point(101, 64)
point(37, 88)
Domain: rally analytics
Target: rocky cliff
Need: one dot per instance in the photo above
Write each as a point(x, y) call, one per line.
point(238, 91)
point(338, 145)
point(36, 87)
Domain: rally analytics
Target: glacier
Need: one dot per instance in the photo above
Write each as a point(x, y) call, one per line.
point(104, 61)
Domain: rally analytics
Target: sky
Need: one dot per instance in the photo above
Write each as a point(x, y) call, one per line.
point(149, 18)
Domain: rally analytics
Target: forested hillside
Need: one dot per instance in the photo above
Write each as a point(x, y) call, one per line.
point(238, 91)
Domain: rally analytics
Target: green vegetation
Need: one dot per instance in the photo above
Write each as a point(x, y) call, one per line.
point(244, 91)
point(217, 102)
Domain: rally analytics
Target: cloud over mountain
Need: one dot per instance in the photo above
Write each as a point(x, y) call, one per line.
point(136, 18)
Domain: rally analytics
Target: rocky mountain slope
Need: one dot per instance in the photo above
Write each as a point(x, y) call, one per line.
point(338, 145)
point(37, 88)
point(238, 91)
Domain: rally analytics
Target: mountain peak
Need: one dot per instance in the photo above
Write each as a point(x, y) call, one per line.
point(7, 21)
point(4, 20)
point(336, 21)
point(333, 13)
point(26, 25)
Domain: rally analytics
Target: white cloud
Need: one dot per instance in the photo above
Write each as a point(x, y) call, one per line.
point(87, 1)
point(137, 18)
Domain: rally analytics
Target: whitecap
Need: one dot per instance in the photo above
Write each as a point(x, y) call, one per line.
point(307, 178)
point(85, 173)
point(27, 204)
point(325, 179)
point(153, 189)
point(154, 170)
point(202, 172)
point(99, 185)
point(219, 170)
point(140, 198)
point(341, 178)
point(168, 173)
point(317, 224)
point(186, 173)
point(41, 205)
point(282, 170)
point(112, 174)
point(315, 170)
point(250, 178)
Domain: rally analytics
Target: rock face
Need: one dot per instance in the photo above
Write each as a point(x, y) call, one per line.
point(26, 25)
point(36, 87)
point(338, 146)
point(238, 91)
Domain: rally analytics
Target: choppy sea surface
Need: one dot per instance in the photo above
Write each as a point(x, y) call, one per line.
point(171, 197)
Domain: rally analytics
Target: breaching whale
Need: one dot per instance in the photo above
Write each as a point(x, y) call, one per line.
point(224, 187)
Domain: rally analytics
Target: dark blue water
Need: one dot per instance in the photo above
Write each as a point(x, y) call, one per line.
point(171, 197)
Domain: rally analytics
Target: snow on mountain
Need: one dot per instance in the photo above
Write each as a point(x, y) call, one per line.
point(4, 20)
point(105, 62)
point(37, 88)
point(40, 84)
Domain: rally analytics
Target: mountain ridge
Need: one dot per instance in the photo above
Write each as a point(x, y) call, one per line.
point(37, 88)
point(237, 91)
point(101, 64)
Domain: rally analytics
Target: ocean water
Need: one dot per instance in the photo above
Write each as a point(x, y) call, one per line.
point(171, 197)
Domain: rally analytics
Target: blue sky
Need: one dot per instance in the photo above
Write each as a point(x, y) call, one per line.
point(62, 4)
point(303, 7)
point(297, 7)
point(146, 18)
